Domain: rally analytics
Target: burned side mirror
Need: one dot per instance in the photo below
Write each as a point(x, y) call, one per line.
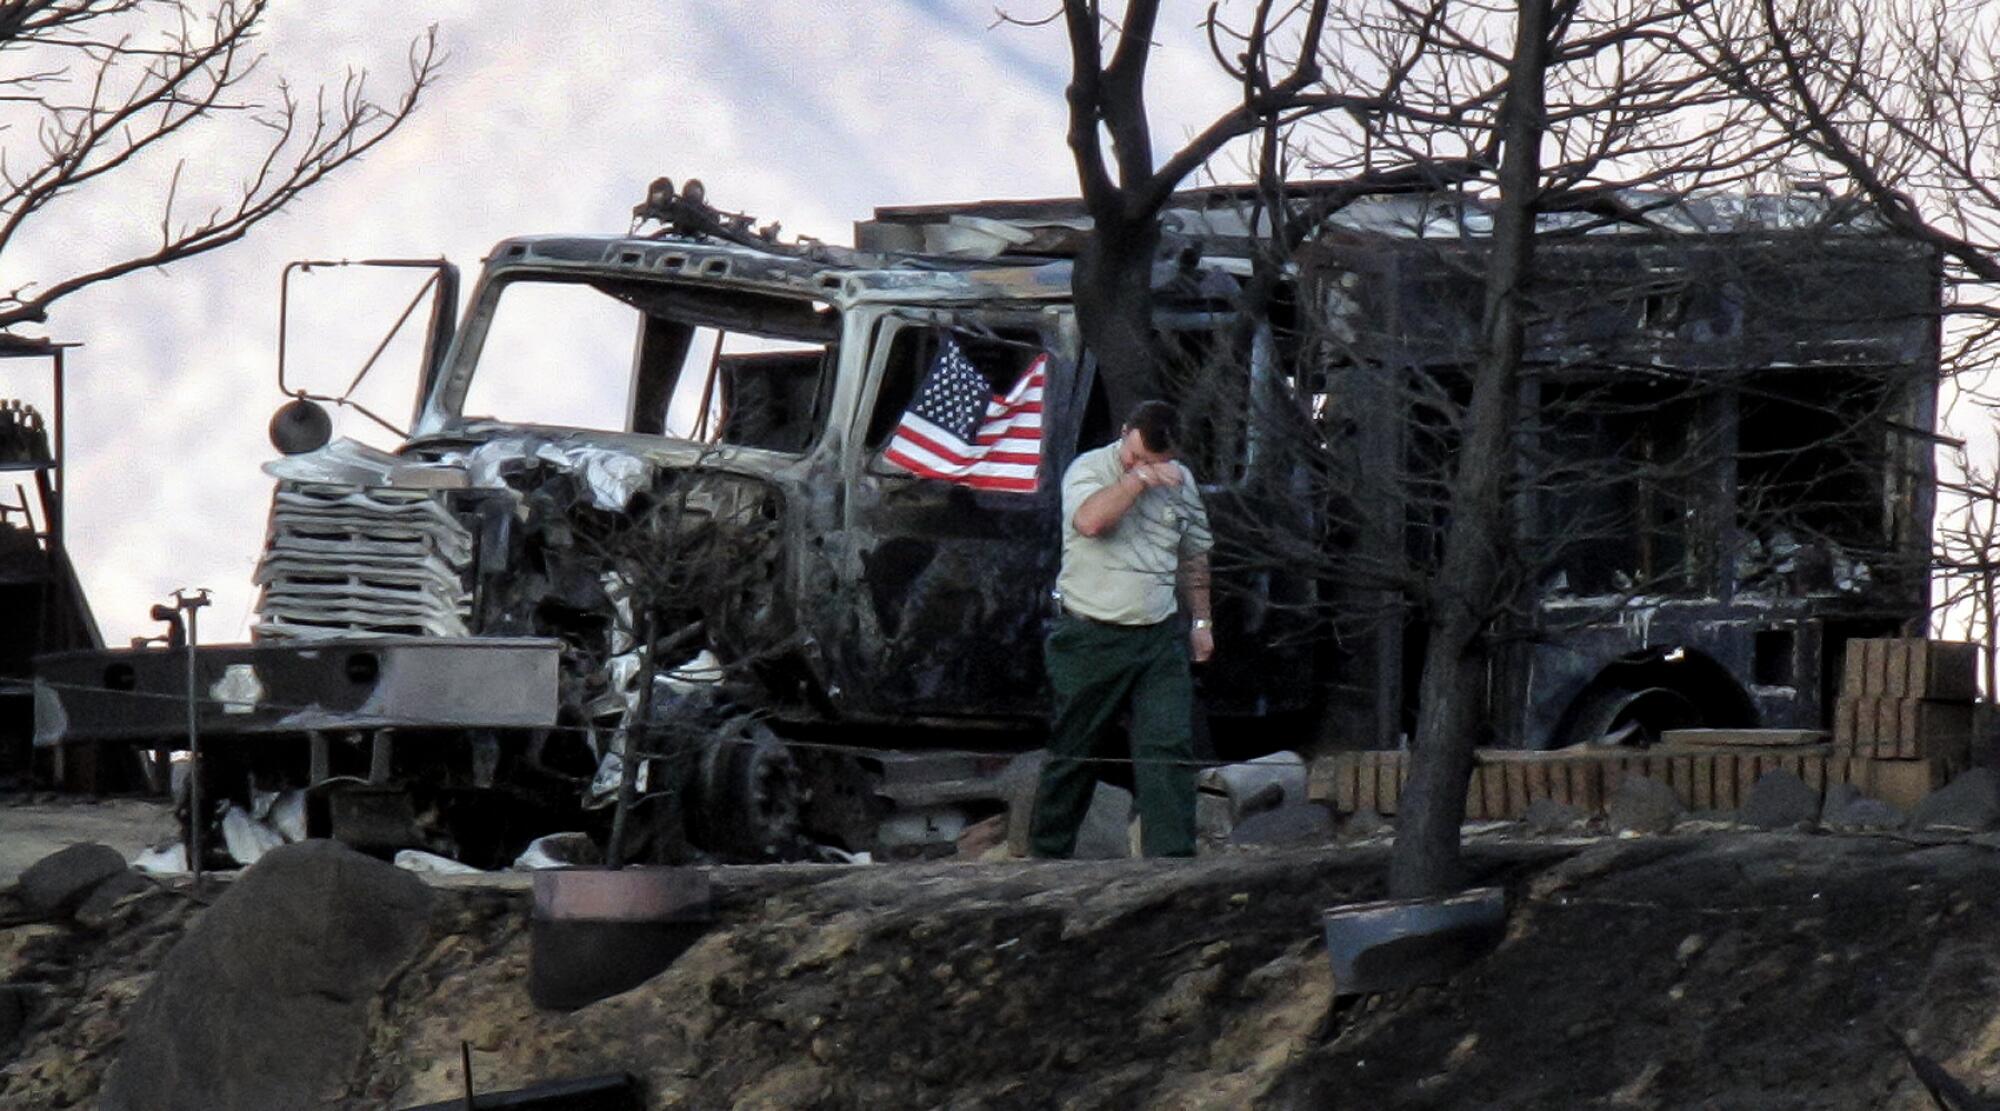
point(300, 426)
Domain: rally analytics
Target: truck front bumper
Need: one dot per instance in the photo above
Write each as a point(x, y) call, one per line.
point(297, 686)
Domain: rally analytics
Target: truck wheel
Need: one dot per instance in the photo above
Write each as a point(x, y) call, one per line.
point(751, 796)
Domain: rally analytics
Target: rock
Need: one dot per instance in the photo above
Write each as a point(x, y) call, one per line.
point(1106, 830)
point(100, 909)
point(431, 864)
point(559, 850)
point(1642, 805)
point(1863, 814)
point(60, 881)
point(1838, 796)
point(1183, 1001)
point(18, 946)
point(1970, 803)
point(981, 836)
point(1547, 816)
point(1364, 823)
point(1779, 800)
point(1308, 823)
point(1017, 783)
point(282, 972)
point(1213, 818)
point(799, 1085)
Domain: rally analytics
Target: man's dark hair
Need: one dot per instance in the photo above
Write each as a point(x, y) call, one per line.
point(1155, 422)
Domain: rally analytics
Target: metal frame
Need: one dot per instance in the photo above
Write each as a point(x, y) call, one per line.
point(442, 285)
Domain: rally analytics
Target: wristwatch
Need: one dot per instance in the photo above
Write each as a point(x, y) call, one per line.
point(1202, 623)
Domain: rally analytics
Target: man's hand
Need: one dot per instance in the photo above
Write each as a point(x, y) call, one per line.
point(1157, 474)
point(1201, 644)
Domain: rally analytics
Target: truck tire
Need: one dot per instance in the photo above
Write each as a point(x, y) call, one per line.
point(751, 796)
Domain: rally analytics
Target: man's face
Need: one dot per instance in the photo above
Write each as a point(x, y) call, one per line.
point(1132, 451)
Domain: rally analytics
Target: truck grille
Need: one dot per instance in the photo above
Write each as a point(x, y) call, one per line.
point(352, 560)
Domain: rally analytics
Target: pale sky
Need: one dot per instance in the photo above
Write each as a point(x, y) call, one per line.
point(550, 116)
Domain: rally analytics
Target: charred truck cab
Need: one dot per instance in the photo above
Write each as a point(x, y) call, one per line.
point(681, 439)
point(669, 454)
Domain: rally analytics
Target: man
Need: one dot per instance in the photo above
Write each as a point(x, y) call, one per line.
point(1134, 534)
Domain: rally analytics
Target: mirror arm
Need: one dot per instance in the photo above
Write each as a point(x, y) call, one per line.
point(390, 336)
point(442, 285)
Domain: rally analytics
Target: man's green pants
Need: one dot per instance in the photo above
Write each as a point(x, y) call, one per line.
point(1095, 670)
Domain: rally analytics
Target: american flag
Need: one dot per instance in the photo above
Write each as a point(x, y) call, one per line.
point(957, 430)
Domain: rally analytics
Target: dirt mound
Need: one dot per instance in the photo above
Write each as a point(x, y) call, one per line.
point(1018, 985)
point(1773, 972)
point(1770, 971)
point(81, 984)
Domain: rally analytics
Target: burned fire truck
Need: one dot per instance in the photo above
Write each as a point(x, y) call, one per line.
point(666, 454)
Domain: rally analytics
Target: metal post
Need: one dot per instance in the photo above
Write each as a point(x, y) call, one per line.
point(61, 461)
point(189, 604)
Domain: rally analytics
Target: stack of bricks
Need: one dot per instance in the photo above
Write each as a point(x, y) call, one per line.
point(1505, 781)
point(1907, 700)
point(1904, 725)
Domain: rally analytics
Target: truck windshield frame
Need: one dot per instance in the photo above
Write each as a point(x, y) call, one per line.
point(617, 354)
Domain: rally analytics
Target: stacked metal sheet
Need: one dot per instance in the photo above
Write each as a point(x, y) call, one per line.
point(350, 560)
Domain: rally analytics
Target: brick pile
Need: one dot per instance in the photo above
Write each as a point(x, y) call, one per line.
point(1904, 725)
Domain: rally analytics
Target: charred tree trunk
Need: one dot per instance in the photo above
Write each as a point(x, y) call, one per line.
point(1114, 310)
point(1426, 856)
point(1125, 194)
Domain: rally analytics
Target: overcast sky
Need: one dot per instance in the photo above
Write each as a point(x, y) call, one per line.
point(549, 117)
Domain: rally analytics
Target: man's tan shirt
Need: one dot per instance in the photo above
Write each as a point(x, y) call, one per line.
point(1127, 576)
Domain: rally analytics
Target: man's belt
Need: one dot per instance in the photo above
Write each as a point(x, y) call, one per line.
point(1098, 621)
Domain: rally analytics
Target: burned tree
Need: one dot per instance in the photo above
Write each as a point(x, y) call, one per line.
point(98, 88)
point(681, 583)
point(1456, 510)
point(1896, 106)
point(1125, 193)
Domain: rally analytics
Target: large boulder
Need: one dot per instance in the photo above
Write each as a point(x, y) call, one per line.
point(62, 880)
point(1969, 803)
point(1642, 805)
point(265, 1002)
point(1780, 800)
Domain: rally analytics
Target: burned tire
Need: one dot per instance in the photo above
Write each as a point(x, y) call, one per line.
point(750, 796)
point(1633, 718)
point(1640, 696)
